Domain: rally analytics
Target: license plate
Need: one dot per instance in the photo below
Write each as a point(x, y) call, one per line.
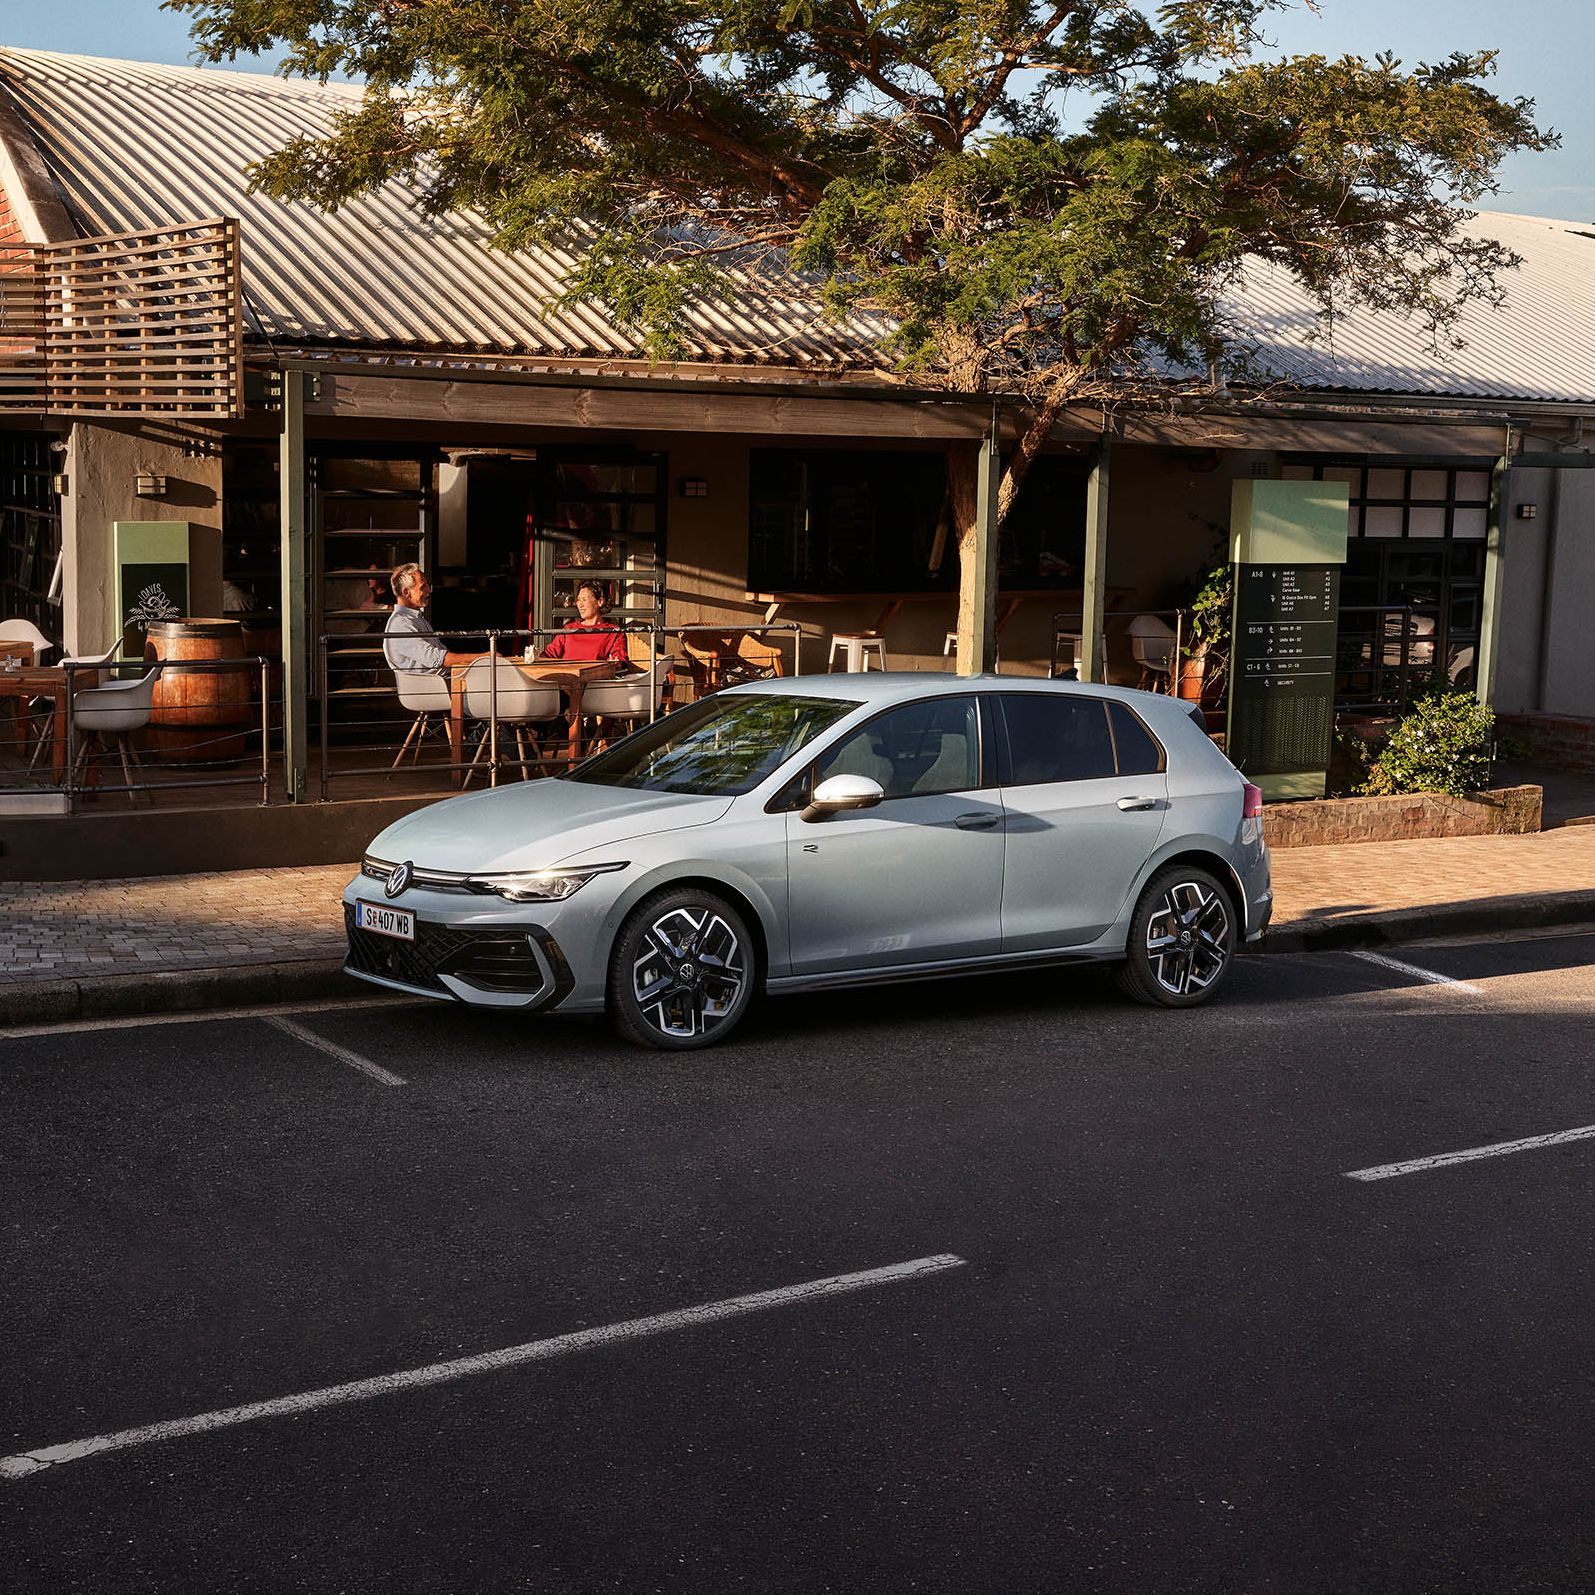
point(385, 921)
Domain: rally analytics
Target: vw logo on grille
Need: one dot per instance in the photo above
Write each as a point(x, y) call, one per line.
point(399, 879)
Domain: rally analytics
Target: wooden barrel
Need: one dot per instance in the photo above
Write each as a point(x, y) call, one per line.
point(200, 716)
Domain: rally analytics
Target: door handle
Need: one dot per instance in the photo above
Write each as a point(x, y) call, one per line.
point(976, 822)
point(1129, 805)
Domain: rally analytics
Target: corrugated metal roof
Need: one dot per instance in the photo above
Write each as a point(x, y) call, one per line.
point(136, 146)
point(1538, 345)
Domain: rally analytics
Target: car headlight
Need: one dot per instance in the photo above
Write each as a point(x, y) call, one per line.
point(540, 886)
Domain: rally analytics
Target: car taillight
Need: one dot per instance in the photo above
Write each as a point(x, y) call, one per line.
point(1252, 801)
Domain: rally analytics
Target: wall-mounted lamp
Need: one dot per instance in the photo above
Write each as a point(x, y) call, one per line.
point(1526, 512)
point(58, 484)
point(694, 487)
point(147, 485)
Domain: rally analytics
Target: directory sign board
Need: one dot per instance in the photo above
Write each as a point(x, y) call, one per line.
point(1289, 545)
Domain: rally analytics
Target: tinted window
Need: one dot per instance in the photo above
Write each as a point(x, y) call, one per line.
point(1138, 753)
point(724, 744)
point(913, 751)
point(1056, 738)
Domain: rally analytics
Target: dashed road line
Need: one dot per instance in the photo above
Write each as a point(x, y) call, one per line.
point(75, 1027)
point(43, 1458)
point(1432, 977)
point(1418, 1165)
point(372, 1071)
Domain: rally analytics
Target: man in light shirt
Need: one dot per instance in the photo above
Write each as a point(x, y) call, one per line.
point(409, 642)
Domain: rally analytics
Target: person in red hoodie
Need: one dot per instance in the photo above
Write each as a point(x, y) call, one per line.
point(589, 636)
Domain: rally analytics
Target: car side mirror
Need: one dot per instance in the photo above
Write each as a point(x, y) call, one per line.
point(841, 792)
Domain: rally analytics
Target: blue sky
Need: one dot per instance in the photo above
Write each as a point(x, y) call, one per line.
point(1546, 47)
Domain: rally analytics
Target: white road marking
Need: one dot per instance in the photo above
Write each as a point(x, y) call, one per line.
point(372, 1071)
point(1428, 975)
point(73, 1027)
point(1389, 1171)
point(25, 1463)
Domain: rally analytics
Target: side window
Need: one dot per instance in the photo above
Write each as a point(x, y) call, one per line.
point(914, 751)
point(1139, 753)
point(1056, 738)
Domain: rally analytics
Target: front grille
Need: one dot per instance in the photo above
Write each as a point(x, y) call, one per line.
point(438, 880)
point(497, 959)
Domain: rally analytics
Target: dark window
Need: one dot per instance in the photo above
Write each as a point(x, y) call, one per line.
point(915, 751)
point(1138, 752)
point(832, 520)
point(1056, 739)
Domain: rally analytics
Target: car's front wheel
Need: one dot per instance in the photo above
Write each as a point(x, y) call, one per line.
point(682, 971)
point(1182, 939)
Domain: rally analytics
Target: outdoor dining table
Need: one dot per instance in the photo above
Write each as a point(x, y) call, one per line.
point(569, 675)
point(43, 681)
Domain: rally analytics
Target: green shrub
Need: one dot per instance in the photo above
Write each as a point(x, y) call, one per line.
point(1442, 744)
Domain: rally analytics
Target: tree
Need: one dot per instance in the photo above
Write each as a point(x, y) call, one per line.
point(1049, 200)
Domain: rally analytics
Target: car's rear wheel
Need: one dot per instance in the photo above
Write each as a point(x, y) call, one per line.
point(1182, 939)
point(682, 971)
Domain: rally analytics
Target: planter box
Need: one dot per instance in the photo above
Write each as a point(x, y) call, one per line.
point(1509, 811)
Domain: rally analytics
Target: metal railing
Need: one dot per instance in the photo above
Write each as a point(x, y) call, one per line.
point(367, 731)
point(1068, 626)
point(212, 741)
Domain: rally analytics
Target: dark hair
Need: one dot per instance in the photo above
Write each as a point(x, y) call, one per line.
point(598, 589)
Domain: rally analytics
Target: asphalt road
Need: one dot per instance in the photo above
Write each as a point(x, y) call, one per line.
point(1169, 1345)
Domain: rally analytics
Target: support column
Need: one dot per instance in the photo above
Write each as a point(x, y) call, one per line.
point(293, 507)
point(1494, 573)
point(1092, 662)
point(982, 652)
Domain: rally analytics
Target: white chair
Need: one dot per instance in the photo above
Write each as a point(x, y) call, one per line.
point(1152, 646)
point(631, 699)
point(112, 714)
point(86, 661)
point(26, 631)
point(428, 696)
point(519, 703)
point(856, 649)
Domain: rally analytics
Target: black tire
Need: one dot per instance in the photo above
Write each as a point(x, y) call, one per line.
point(682, 971)
point(1182, 939)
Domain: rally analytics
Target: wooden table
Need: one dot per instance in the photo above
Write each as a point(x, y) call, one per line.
point(44, 681)
point(569, 675)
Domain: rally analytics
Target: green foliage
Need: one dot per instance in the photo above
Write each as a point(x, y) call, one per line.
point(1442, 744)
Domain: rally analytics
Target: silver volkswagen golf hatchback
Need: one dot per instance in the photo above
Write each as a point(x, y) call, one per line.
point(817, 831)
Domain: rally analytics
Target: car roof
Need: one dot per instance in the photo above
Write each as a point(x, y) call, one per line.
point(894, 686)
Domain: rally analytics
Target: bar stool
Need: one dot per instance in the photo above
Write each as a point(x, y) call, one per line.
point(949, 647)
point(855, 648)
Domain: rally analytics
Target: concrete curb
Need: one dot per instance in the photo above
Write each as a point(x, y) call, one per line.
point(1398, 926)
point(46, 1002)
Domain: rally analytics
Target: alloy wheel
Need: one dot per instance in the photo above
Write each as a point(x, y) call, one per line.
point(1188, 938)
point(689, 972)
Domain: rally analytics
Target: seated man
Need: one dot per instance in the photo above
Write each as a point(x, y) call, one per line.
point(409, 642)
point(589, 636)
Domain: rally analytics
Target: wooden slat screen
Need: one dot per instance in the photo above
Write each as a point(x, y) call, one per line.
point(140, 323)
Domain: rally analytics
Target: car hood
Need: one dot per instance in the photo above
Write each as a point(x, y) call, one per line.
point(536, 824)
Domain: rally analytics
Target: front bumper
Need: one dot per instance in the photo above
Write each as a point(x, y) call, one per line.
point(495, 966)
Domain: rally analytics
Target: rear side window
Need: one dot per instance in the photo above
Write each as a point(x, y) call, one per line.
point(1074, 739)
point(1138, 751)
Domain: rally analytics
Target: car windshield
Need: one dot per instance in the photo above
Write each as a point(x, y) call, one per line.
point(721, 746)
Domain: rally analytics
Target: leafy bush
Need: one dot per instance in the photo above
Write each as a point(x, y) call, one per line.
point(1442, 744)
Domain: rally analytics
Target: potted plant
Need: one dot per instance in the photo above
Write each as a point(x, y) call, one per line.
point(1204, 657)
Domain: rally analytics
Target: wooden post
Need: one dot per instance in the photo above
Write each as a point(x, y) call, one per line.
point(296, 640)
point(1092, 662)
point(978, 651)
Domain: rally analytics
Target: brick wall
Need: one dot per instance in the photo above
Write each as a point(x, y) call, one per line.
point(1511, 811)
point(1552, 739)
point(10, 232)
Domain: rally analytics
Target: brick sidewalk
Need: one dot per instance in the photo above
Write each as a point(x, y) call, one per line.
point(77, 930)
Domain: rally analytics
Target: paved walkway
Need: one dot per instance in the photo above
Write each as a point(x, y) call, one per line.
point(259, 935)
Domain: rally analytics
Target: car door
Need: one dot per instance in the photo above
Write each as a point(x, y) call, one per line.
point(916, 879)
point(1085, 794)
